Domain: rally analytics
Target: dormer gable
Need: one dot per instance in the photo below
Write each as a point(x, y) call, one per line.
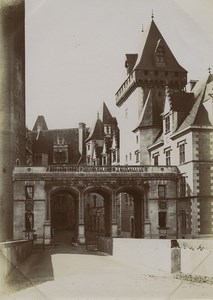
point(176, 107)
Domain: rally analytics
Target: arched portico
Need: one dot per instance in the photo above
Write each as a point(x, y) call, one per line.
point(137, 220)
point(64, 215)
point(107, 196)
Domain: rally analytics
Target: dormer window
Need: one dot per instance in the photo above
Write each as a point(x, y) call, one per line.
point(167, 123)
point(107, 129)
point(160, 55)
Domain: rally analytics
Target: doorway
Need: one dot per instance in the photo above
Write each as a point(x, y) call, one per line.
point(63, 218)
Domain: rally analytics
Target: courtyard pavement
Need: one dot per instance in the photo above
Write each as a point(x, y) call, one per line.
point(68, 272)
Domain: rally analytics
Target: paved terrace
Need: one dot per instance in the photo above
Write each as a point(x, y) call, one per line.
point(68, 272)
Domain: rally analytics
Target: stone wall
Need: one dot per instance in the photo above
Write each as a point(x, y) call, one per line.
point(150, 256)
point(197, 257)
point(156, 257)
point(105, 245)
point(12, 253)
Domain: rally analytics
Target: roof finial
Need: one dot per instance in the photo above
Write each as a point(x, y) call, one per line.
point(97, 115)
point(142, 28)
point(152, 15)
point(209, 70)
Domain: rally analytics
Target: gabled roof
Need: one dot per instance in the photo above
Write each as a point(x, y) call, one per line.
point(150, 115)
point(40, 123)
point(97, 131)
point(151, 40)
point(197, 114)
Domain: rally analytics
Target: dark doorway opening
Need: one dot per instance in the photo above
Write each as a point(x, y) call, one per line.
point(63, 218)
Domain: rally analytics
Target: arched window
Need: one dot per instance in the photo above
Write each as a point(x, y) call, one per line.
point(17, 162)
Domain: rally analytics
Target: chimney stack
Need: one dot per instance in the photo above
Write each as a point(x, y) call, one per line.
point(81, 136)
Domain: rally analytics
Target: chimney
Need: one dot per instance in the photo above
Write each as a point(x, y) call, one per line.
point(81, 137)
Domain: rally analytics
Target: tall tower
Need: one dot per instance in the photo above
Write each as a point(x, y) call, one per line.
point(141, 96)
point(12, 105)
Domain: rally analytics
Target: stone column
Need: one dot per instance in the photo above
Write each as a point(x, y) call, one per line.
point(147, 223)
point(47, 223)
point(81, 229)
point(12, 106)
point(114, 215)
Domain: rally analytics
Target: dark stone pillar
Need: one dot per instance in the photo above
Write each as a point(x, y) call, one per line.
point(12, 105)
point(114, 215)
point(81, 229)
point(47, 223)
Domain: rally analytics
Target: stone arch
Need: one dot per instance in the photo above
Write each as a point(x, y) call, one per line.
point(106, 193)
point(137, 194)
point(64, 210)
point(72, 191)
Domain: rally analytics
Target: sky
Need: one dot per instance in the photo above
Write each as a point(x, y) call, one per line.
point(75, 51)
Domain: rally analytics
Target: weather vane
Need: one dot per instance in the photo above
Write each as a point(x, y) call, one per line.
point(152, 15)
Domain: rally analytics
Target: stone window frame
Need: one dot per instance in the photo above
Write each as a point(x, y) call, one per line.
point(137, 156)
point(162, 219)
point(183, 217)
point(167, 152)
point(182, 151)
point(155, 158)
point(162, 193)
point(167, 123)
point(114, 155)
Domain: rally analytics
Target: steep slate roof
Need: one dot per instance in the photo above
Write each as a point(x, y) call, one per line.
point(97, 131)
point(40, 123)
point(181, 101)
point(151, 39)
point(150, 115)
point(47, 138)
point(197, 114)
point(130, 61)
point(105, 115)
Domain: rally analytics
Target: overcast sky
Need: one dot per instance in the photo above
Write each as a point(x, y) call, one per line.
point(75, 51)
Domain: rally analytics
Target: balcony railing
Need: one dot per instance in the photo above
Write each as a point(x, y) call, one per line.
point(111, 169)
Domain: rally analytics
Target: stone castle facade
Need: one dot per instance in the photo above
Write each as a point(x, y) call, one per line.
point(146, 173)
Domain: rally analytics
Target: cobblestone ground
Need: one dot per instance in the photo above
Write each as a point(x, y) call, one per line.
point(68, 272)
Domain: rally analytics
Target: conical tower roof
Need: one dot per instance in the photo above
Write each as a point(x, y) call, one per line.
point(151, 40)
point(97, 131)
point(40, 123)
point(105, 115)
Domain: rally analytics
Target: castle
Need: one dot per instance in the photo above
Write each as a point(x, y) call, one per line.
point(146, 173)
